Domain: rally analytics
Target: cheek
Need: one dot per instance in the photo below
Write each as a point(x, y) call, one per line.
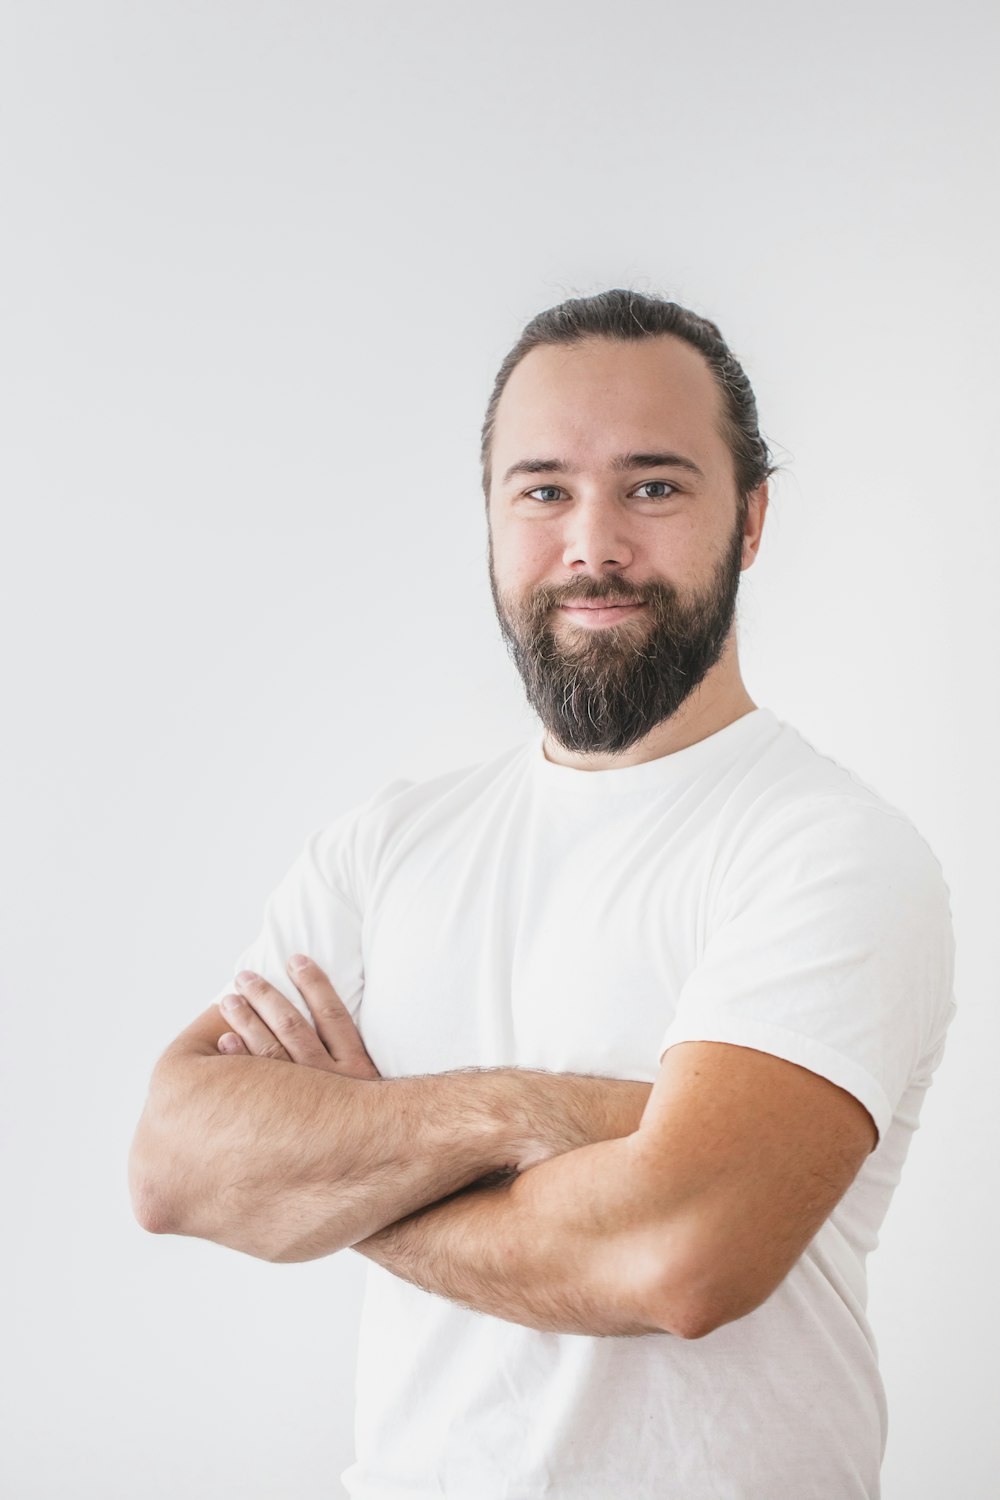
point(523, 557)
point(678, 548)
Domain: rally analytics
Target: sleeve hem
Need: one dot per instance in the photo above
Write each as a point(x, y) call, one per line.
point(763, 1036)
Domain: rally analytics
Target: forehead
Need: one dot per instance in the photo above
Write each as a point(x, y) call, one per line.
point(581, 402)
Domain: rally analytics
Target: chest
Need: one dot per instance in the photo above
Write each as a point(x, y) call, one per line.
point(541, 943)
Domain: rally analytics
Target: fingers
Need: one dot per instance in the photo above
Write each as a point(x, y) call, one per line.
point(248, 1028)
point(270, 1025)
point(334, 1023)
point(265, 1023)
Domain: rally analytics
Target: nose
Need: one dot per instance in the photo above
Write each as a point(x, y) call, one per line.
point(596, 539)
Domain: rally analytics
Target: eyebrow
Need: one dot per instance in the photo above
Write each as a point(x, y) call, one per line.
point(621, 464)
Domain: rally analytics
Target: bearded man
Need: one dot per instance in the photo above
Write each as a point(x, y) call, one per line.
point(606, 1052)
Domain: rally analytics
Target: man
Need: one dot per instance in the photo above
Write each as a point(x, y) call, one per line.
point(619, 1039)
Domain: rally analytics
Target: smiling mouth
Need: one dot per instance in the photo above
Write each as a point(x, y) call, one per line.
point(601, 603)
point(599, 612)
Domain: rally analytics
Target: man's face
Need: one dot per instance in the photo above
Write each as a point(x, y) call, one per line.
point(660, 544)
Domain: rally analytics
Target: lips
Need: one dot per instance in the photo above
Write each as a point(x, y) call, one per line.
point(601, 603)
point(599, 613)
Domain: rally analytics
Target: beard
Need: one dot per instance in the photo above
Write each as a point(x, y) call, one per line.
point(601, 689)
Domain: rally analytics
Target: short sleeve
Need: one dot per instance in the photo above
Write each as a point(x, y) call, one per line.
point(315, 909)
point(830, 944)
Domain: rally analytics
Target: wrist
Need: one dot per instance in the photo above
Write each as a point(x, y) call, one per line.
point(562, 1112)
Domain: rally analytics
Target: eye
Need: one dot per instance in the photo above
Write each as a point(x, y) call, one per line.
point(553, 491)
point(663, 483)
point(550, 487)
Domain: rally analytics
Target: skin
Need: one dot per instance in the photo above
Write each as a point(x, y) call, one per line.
point(582, 404)
point(689, 1212)
point(687, 1222)
point(296, 1163)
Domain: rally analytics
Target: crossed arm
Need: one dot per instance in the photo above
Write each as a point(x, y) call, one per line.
point(614, 1209)
point(559, 1247)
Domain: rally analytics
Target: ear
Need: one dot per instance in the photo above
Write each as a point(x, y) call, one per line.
point(753, 526)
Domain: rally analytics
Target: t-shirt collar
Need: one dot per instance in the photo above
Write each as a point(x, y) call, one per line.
point(663, 773)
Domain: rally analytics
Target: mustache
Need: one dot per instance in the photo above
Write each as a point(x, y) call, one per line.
point(607, 590)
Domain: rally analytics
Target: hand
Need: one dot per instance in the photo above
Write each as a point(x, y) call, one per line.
point(266, 1024)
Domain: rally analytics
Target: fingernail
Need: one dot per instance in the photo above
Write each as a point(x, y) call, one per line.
point(298, 961)
point(245, 977)
point(230, 1002)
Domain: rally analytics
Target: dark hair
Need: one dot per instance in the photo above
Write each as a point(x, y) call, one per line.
point(622, 314)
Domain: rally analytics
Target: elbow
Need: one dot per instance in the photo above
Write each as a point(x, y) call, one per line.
point(150, 1202)
point(693, 1302)
point(676, 1310)
point(693, 1313)
point(152, 1206)
point(687, 1321)
point(151, 1209)
point(149, 1176)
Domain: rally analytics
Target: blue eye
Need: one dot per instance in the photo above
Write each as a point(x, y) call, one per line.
point(664, 484)
point(554, 489)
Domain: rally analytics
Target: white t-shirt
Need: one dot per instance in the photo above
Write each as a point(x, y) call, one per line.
point(747, 889)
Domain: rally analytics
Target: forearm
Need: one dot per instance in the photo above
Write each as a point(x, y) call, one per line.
point(290, 1163)
point(562, 1247)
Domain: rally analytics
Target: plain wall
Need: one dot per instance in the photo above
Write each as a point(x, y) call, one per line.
point(261, 262)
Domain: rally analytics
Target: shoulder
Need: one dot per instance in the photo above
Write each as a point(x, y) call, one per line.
point(829, 919)
point(814, 861)
point(405, 811)
point(797, 801)
point(401, 802)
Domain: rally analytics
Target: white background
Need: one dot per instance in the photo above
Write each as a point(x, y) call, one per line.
point(261, 263)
